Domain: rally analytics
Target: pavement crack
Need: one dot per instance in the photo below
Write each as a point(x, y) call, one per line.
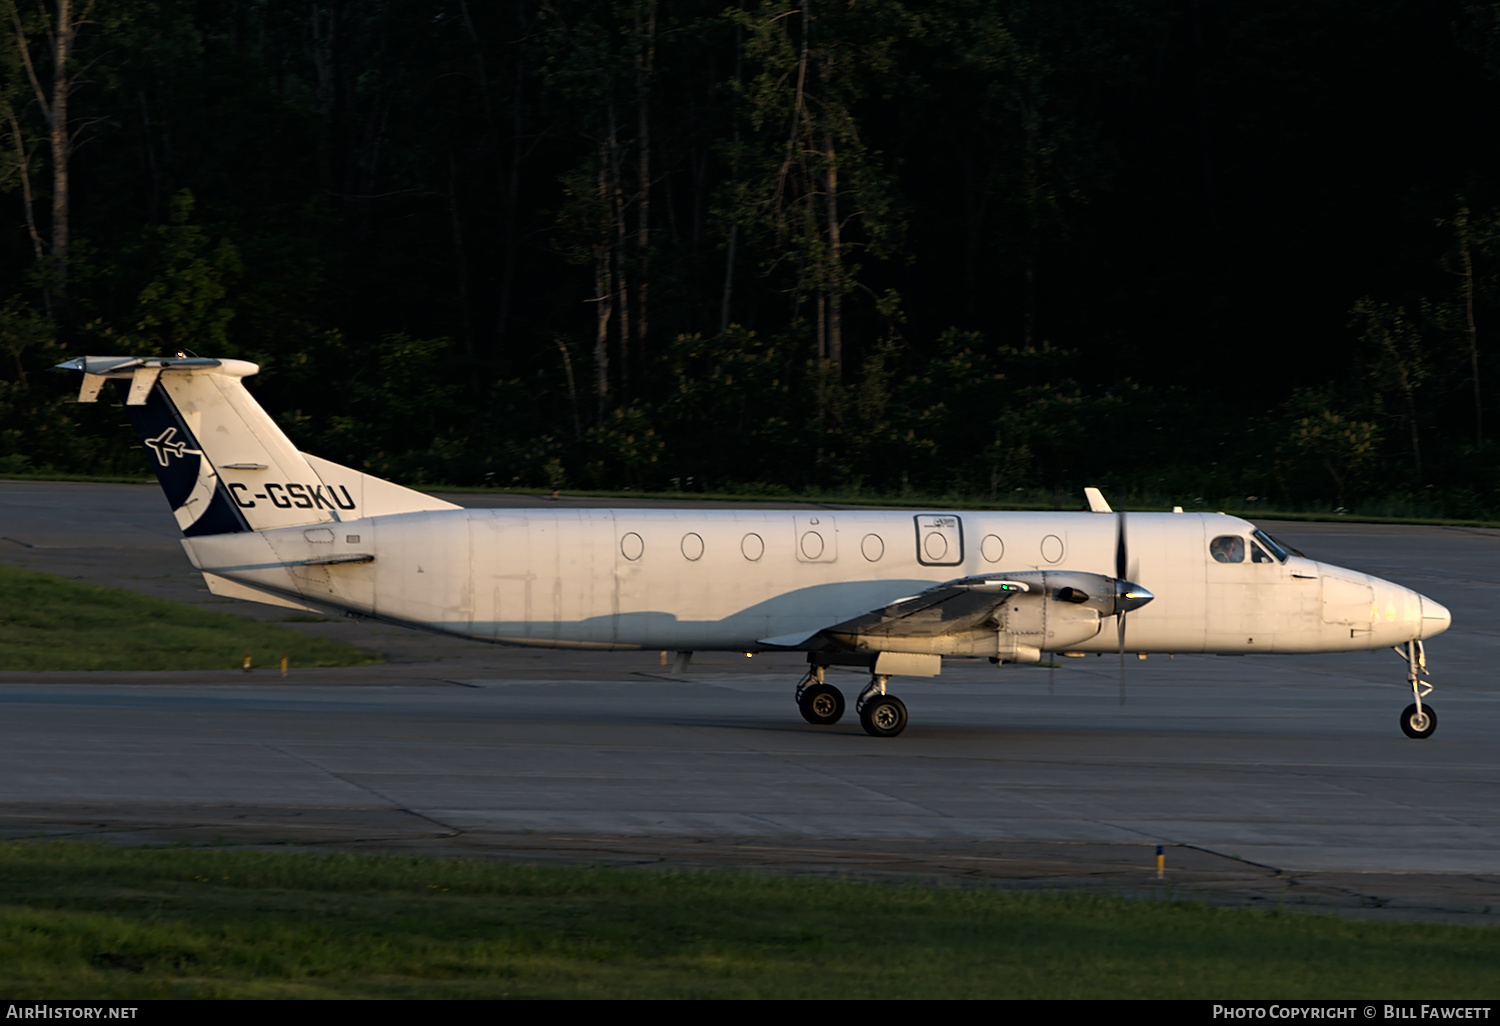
point(1233, 858)
point(452, 831)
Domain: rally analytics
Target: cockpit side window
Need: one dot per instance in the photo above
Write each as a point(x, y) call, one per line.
point(1258, 555)
point(1271, 546)
point(1228, 548)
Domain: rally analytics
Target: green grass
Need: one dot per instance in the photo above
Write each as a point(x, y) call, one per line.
point(86, 921)
point(47, 623)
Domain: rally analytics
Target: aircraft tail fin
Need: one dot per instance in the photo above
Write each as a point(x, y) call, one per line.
point(223, 463)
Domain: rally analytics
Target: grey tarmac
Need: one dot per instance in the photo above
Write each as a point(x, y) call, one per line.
point(1268, 780)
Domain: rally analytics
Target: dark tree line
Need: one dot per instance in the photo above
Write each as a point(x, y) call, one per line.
point(1183, 250)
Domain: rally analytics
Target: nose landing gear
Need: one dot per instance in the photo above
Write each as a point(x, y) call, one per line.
point(1418, 720)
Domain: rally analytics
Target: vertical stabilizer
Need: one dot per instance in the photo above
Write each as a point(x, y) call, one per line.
point(223, 463)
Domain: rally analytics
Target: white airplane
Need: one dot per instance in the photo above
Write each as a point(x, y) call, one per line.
point(890, 592)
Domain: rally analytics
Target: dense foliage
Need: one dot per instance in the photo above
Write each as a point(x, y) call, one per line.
point(1176, 249)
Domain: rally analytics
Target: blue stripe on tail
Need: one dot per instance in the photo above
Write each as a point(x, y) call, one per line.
point(175, 455)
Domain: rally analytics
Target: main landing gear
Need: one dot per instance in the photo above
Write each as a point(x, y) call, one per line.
point(822, 704)
point(1418, 720)
point(881, 715)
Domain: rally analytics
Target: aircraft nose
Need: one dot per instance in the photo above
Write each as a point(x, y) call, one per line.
point(1435, 617)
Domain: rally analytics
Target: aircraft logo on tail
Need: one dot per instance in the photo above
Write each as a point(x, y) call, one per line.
point(162, 446)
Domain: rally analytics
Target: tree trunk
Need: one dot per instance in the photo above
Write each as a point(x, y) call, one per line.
point(23, 168)
point(622, 281)
point(734, 234)
point(61, 152)
point(645, 60)
point(1408, 398)
point(1473, 342)
point(460, 265)
point(512, 193)
point(54, 110)
point(322, 25)
point(835, 265)
point(572, 389)
point(604, 297)
point(974, 211)
point(153, 167)
point(734, 177)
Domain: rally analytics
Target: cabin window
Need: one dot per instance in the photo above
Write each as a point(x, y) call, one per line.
point(631, 546)
point(1228, 548)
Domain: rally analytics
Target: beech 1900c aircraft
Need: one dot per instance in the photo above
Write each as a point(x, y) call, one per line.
point(890, 592)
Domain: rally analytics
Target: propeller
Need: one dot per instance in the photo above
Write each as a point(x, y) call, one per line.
point(1121, 577)
point(1052, 656)
point(1128, 596)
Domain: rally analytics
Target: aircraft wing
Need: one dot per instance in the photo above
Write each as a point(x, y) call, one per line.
point(944, 608)
point(1012, 617)
point(950, 608)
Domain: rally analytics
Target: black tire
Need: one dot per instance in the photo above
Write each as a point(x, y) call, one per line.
point(1416, 727)
point(883, 716)
point(821, 704)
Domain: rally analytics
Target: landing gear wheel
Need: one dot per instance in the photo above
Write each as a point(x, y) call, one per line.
point(821, 704)
point(883, 716)
point(1419, 725)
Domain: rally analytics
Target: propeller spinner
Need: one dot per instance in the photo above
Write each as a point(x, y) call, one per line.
point(1130, 597)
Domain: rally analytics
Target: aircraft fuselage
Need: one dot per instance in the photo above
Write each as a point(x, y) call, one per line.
point(730, 579)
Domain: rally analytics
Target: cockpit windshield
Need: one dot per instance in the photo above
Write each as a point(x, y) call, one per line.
point(1270, 544)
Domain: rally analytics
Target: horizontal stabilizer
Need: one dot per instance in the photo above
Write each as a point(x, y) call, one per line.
point(225, 588)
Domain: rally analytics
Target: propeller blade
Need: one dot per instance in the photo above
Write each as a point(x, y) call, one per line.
point(1121, 618)
point(1122, 566)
